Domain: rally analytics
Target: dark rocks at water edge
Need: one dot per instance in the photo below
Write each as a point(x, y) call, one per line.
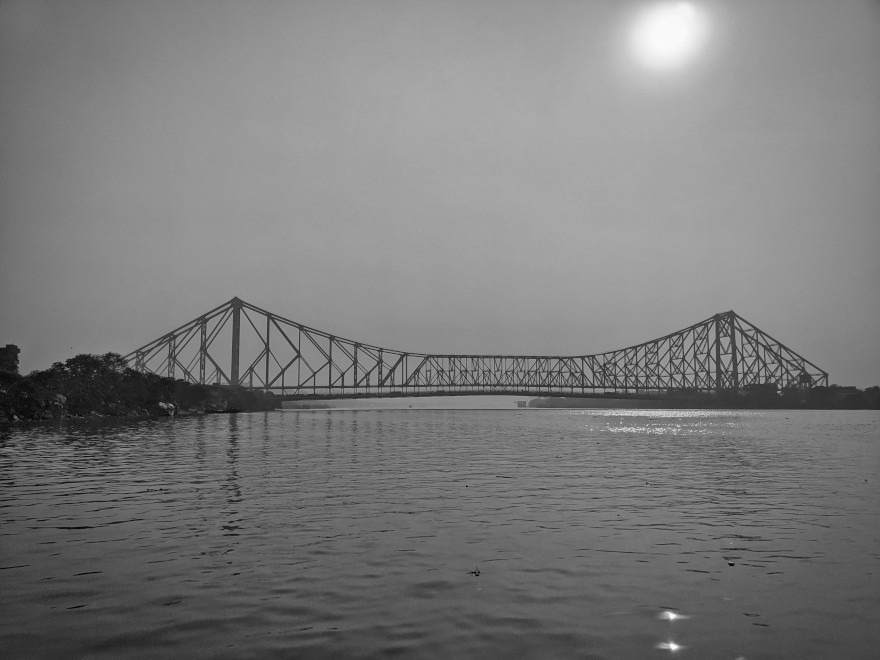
point(104, 386)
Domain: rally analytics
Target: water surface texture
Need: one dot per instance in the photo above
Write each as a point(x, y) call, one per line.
point(444, 533)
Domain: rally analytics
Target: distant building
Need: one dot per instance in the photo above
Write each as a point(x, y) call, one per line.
point(9, 359)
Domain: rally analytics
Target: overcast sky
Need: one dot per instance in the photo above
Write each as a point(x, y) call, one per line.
point(468, 177)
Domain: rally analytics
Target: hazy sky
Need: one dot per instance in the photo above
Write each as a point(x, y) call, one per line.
point(450, 176)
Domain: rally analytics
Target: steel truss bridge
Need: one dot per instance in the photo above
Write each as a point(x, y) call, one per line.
point(239, 344)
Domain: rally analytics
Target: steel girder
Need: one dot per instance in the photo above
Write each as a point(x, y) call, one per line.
point(240, 344)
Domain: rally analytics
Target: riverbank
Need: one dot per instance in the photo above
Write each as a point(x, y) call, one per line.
point(103, 386)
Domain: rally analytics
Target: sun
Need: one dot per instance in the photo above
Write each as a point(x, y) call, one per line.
point(666, 36)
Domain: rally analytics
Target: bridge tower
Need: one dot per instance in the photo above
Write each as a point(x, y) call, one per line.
point(726, 362)
point(234, 377)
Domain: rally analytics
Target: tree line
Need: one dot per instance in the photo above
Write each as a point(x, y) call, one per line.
point(104, 385)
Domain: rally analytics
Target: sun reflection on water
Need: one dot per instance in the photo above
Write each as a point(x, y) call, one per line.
point(670, 646)
point(669, 615)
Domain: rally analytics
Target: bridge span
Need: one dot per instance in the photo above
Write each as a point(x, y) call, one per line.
point(239, 344)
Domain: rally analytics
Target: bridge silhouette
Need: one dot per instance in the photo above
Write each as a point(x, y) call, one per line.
point(719, 354)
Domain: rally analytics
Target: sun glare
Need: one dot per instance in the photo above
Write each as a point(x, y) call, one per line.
point(668, 35)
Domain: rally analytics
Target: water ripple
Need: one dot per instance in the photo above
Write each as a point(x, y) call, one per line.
point(600, 534)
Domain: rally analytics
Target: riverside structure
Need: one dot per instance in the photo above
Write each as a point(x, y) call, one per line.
point(239, 344)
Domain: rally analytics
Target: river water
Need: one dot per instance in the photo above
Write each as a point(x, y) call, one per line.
point(444, 534)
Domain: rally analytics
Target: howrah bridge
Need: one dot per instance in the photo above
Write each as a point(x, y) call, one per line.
point(239, 344)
